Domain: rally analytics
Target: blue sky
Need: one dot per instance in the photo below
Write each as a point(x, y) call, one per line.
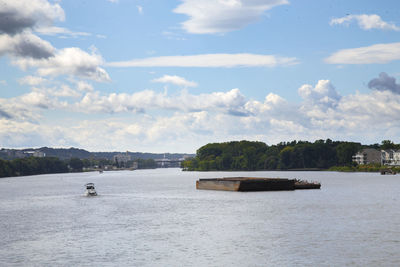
point(171, 76)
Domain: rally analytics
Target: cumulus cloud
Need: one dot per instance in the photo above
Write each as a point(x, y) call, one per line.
point(209, 60)
point(59, 92)
point(17, 133)
point(211, 16)
point(32, 80)
point(384, 82)
point(18, 15)
point(25, 45)
point(184, 122)
point(28, 50)
point(21, 108)
point(231, 102)
point(174, 79)
point(378, 53)
point(38, 99)
point(368, 112)
point(4, 114)
point(354, 113)
point(66, 91)
point(44, 95)
point(84, 86)
point(69, 61)
point(272, 102)
point(323, 94)
point(366, 22)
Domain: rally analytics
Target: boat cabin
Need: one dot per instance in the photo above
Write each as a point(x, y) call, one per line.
point(89, 186)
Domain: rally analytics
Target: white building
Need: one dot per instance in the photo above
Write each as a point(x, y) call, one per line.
point(390, 157)
point(35, 153)
point(122, 158)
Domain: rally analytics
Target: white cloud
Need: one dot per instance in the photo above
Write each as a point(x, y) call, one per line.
point(283, 126)
point(175, 80)
point(84, 86)
point(231, 102)
point(32, 80)
point(17, 110)
point(323, 94)
point(17, 133)
point(53, 30)
point(37, 99)
point(378, 53)
point(140, 9)
point(370, 114)
point(68, 61)
point(209, 60)
point(366, 22)
point(18, 15)
point(66, 91)
point(184, 122)
point(28, 50)
point(271, 102)
point(218, 16)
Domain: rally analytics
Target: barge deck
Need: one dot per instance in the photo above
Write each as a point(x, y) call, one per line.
point(248, 184)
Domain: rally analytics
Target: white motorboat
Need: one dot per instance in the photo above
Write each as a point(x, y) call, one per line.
point(90, 190)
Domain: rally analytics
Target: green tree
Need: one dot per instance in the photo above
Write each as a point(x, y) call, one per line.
point(6, 169)
point(286, 158)
point(76, 165)
point(387, 144)
point(345, 152)
point(248, 155)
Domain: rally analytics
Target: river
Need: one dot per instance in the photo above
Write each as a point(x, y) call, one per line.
point(158, 218)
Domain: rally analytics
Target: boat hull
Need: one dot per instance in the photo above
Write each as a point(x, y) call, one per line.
point(90, 193)
point(245, 184)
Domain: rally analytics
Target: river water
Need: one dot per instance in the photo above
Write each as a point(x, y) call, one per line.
point(158, 218)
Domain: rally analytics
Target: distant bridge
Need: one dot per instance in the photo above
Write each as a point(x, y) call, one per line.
point(168, 163)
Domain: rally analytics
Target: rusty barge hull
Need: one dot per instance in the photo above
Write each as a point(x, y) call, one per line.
point(248, 184)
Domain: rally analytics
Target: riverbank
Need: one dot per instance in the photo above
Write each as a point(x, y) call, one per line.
point(364, 168)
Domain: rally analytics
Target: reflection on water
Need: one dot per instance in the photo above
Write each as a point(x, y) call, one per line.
point(158, 218)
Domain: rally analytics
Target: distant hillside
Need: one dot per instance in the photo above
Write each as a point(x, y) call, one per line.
point(140, 155)
point(67, 153)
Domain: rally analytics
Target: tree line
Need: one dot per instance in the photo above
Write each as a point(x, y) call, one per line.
point(35, 165)
point(31, 166)
point(251, 156)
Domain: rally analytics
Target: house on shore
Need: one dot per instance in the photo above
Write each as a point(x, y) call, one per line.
point(390, 157)
point(367, 156)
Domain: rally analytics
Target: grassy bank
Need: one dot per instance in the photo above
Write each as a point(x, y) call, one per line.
point(363, 168)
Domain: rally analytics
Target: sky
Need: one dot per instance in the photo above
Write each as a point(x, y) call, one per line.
point(172, 76)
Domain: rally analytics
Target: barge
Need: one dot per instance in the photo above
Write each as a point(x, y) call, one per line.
point(248, 184)
point(388, 171)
